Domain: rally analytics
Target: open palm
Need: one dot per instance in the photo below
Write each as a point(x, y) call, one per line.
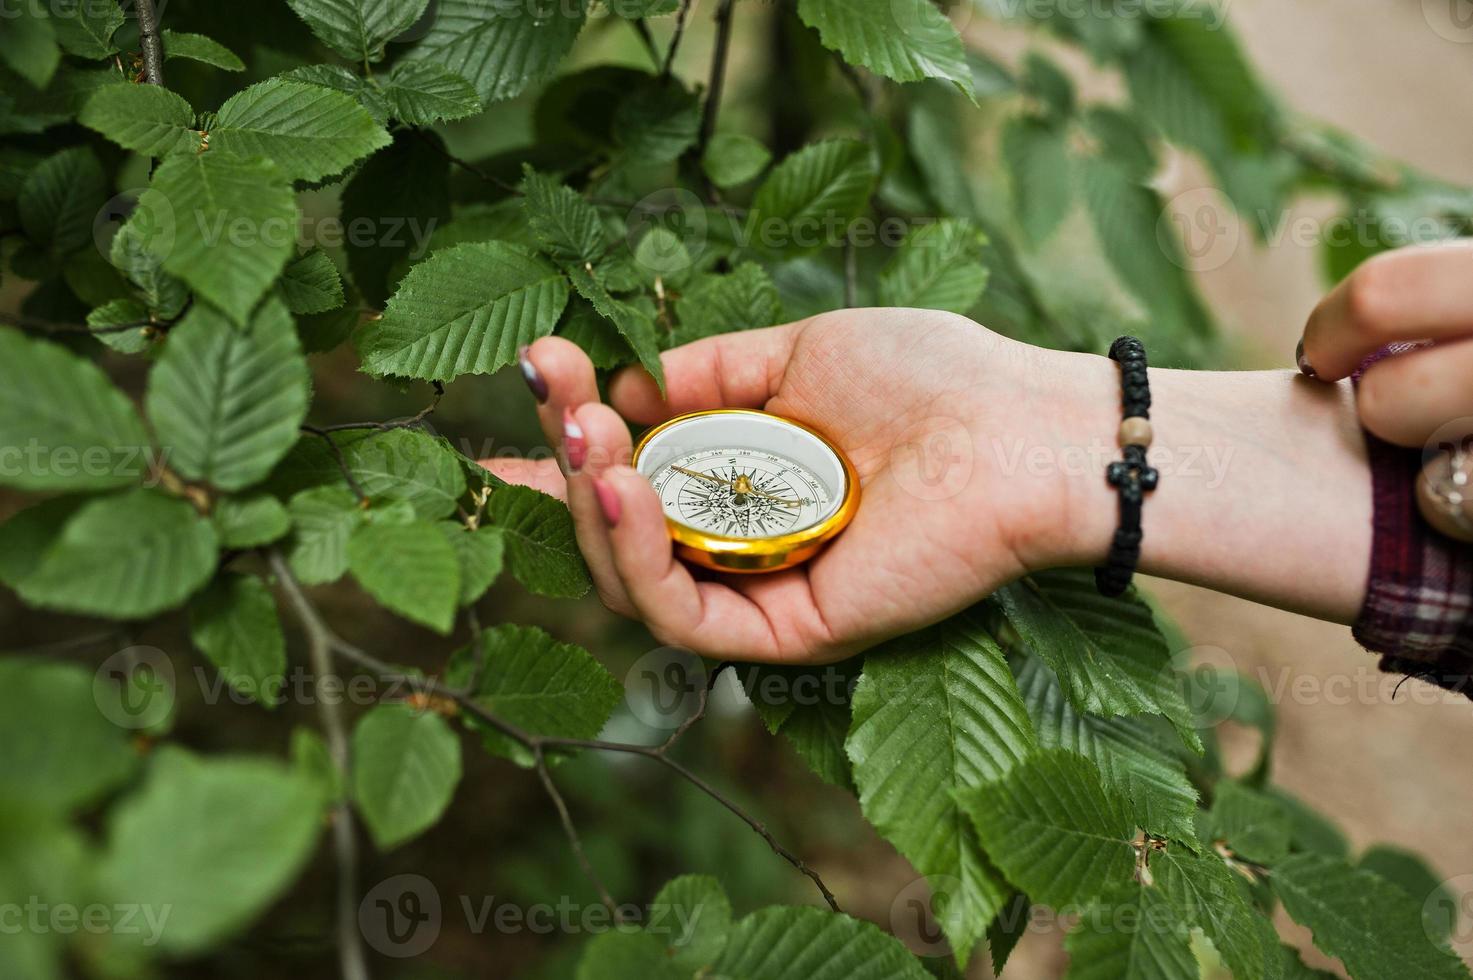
point(909, 395)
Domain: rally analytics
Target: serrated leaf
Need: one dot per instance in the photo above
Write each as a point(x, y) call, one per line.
point(123, 313)
point(234, 624)
point(1133, 933)
point(1047, 82)
point(60, 197)
point(311, 283)
point(813, 944)
point(1372, 926)
point(308, 131)
point(479, 553)
point(370, 96)
point(136, 253)
point(58, 751)
point(524, 676)
point(1108, 654)
point(146, 119)
point(743, 300)
point(410, 568)
point(402, 196)
point(1054, 829)
point(732, 159)
point(1129, 755)
point(1037, 156)
point(1312, 830)
point(28, 45)
point(1255, 826)
point(465, 310)
point(599, 338)
point(699, 903)
point(129, 556)
point(85, 28)
point(227, 403)
point(197, 47)
point(814, 193)
point(323, 519)
point(232, 223)
point(1208, 896)
point(502, 49)
point(635, 325)
point(74, 430)
point(406, 765)
point(906, 40)
point(250, 521)
point(567, 227)
point(358, 29)
point(398, 465)
point(939, 267)
point(810, 708)
point(1413, 875)
point(936, 713)
point(657, 123)
point(215, 842)
point(426, 92)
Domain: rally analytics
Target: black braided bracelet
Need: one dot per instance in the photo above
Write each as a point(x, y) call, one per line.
point(1130, 476)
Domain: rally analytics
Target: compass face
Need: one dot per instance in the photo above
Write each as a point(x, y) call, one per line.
point(741, 475)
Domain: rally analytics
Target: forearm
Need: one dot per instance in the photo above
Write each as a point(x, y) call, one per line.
point(1265, 489)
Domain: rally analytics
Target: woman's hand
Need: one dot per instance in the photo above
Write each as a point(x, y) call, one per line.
point(910, 396)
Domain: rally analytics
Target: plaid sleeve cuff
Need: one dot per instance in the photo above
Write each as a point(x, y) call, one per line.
point(1418, 612)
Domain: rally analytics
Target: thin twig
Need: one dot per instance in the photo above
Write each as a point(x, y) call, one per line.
point(345, 842)
point(466, 165)
point(537, 744)
point(152, 44)
point(51, 326)
point(571, 831)
point(724, 22)
point(851, 74)
point(409, 423)
point(642, 28)
point(73, 643)
point(676, 38)
point(337, 455)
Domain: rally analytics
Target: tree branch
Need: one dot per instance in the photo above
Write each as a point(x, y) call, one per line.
point(538, 745)
point(345, 842)
point(25, 322)
point(149, 39)
point(643, 30)
point(725, 17)
point(679, 35)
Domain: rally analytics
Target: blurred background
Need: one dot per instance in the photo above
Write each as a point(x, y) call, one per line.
point(1389, 769)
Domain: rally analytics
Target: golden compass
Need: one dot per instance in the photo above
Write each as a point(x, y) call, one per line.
point(747, 491)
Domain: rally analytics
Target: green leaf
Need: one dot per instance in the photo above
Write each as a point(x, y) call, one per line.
point(939, 267)
point(60, 197)
point(743, 300)
point(401, 464)
point(499, 48)
point(600, 339)
point(227, 403)
point(464, 310)
point(634, 324)
point(906, 40)
point(250, 521)
point(1370, 924)
point(308, 131)
point(232, 223)
point(935, 714)
point(696, 917)
point(311, 283)
point(479, 553)
point(120, 313)
point(531, 680)
point(215, 841)
point(28, 45)
point(234, 624)
point(66, 425)
point(197, 47)
point(402, 196)
point(1209, 896)
point(657, 123)
point(137, 252)
point(57, 750)
point(810, 708)
point(368, 94)
point(1047, 83)
point(732, 159)
point(813, 944)
point(567, 227)
point(85, 28)
point(425, 92)
point(311, 757)
point(1108, 654)
point(1132, 933)
point(1037, 155)
point(1255, 826)
point(44, 863)
point(814, 195)
point(129, 556)
point(1414, 876)
point(323, 519)
point(1054, 829)
point(358, 29)
point(1312, 830)
point(1131, 758)
point(410, 568)
point(406, 764)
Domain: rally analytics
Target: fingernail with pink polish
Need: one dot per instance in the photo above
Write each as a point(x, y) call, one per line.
point(1305, 368)
point(531, 375)
point(575, 444)
point(608, 502)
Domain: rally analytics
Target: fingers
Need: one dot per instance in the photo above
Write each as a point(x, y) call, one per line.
point(539, 474)
point(1408, 398)
point(736, 370)
point(594, 439)
point(1419, 293)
